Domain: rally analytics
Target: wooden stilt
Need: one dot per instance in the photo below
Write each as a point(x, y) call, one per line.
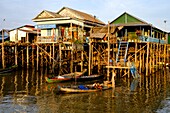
point(140, 60)
point(16, 52)
point(22, 58)
point(147, 59)
point(3, 52)
point(27, 51)
point(108, 58)
point(33, 56)
point(37, 57)
point(90, 50)
point(71, 67)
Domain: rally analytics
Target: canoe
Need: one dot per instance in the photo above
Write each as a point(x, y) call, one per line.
point(8, 69)
point(65, 77)
point(90, 77)
point(82, 88)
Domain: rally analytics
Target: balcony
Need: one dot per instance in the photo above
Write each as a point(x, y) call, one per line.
point(46, 39)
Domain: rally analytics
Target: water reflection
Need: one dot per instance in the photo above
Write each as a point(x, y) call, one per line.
point(26, 91)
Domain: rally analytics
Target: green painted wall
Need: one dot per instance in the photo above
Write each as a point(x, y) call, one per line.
point(169, 39)
point(126, 18)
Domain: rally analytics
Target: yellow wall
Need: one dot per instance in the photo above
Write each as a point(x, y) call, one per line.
point(43, 32)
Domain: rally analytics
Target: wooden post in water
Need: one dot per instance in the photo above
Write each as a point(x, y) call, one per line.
point(53, 56)
point(82, 57)
point(3, 56)
point(27, 50)
point(165, 55)
point(33, 55)
point(108, 58)
point(16, 53)
point(140, 63)
point(168, 54)
point(150, 58)
point(37, 57)
point(153, 53)
point(60, 57)
point(147, 59)
point(22, 58)
point(157, 49)
point(159, 56)
point(72, 38)
point(90, 47)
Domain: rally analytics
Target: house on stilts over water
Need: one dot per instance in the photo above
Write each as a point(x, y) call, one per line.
point(128, 46)
point(67, 30)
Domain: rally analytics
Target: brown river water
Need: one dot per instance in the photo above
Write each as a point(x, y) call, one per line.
point(25, 91)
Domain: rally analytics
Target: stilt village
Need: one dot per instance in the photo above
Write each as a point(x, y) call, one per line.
point(70, 40)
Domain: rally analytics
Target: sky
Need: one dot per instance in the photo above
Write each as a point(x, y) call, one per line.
point(16, 13)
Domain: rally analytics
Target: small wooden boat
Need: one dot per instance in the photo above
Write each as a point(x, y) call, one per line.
point(65, 77)
point(90, 77)
point(83, 88)
point(8, 70)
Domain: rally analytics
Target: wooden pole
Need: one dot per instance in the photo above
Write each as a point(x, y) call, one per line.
point(90, 44)
point(27, 51)
point(33, 57)
point(22, 58)
point(150, 58)
point(159, 55)
point(50, 53)
point(72, 38)
point(60, 57)
point(16, 54)
point(153, 53)
point(82, 57)
point(136, 47)
point(53, 56)
point(140, 64)
point(3, 56)
point(108, 58)
point(165, 55)
point(157, 49)
point(37, 57)
point(147, 59)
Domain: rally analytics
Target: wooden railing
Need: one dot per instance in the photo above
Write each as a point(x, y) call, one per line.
point(46, 39)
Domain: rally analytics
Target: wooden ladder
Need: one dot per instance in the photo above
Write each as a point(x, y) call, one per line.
point(122, 52)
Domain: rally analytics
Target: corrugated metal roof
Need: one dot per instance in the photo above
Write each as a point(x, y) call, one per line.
point(78, 15)
point(84, 16)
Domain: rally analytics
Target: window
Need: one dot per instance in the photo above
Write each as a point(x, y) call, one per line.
point(48, 32)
